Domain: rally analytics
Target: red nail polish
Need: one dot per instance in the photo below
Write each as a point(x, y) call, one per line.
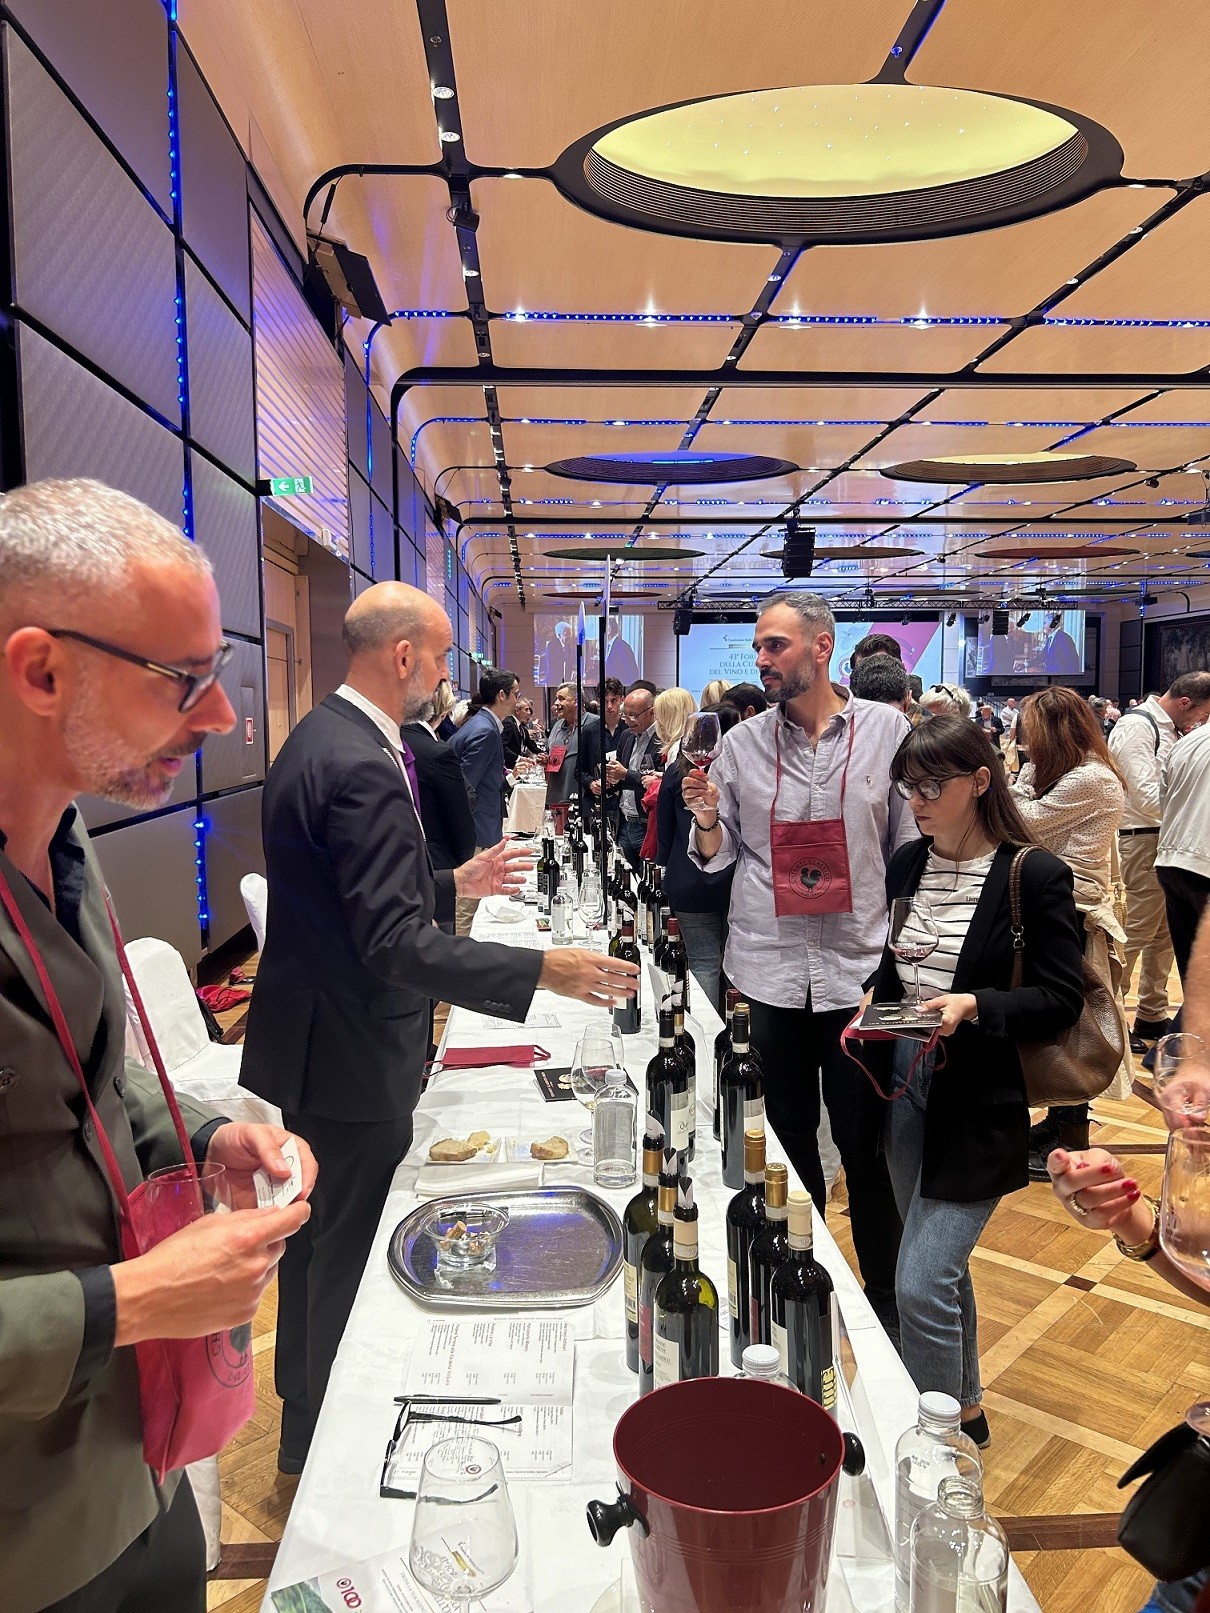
point(1134, 1196)
point(1108, 1170)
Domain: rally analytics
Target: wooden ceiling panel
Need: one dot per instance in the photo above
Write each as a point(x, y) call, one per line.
point(814, 403)
point(411, 243)
point(538, 445)
point(1129, 70)
point(929, 441)
point(544, 73)
point(539, 251)
point(996, 405)
point(994, 273)
point(813, 447)
point(944, 348)
point(1084, 349)
point(624, 347)
point(1150, 447)
point(601, 403)
point(1162, 277)
point(1192, 403)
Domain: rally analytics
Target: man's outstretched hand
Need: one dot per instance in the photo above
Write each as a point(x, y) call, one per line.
point(498, 871)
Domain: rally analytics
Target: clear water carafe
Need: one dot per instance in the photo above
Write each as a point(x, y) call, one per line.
point(959, 1554)
point(935, 1449)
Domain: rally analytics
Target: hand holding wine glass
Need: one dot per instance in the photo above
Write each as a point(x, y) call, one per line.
point(1182, 1079)
point(913, 937)
point(702, 738)
point(1185, 1208)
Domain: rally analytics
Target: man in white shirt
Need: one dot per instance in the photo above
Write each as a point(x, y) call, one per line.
point(1182, 863)
point(1141, 743)
point(804, 974)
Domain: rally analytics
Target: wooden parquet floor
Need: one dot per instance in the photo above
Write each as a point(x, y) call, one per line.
point(1086, 1358)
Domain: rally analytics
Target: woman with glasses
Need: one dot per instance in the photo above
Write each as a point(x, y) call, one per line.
point(1071, 795)
point(957, 1135)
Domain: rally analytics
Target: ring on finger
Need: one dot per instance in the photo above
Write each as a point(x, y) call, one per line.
point(1079, 1209)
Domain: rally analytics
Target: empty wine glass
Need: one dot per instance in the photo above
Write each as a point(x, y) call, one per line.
point(702, 737)
point(913, 937)
point(598, 1053)
point(592, 900)
point(1185, 1207)
point(464, 1535)
point(1182, 1078)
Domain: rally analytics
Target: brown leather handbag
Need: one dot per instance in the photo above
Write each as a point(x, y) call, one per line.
point(1077, 1064)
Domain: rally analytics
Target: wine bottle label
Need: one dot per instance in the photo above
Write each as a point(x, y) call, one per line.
point(777, 1338)
point(630, 1278)
point(733, 1287)
point(828, 1382)
point(693, 1103)
point(666, 1360)
point(645, 1320)
point(754, 1114)
point(678, 1122)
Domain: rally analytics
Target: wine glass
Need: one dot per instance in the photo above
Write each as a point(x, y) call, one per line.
point(702, 738)
point(913, 937)
point(1182, 1078)
point(598, 1053)
point(592, 901)
point(1185, 1207)
point(464, 1536)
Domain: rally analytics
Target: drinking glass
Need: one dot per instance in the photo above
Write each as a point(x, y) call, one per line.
point(913, 937)
point(1185, 1206)
point(1182, 1078)
point(172, 1198)
point(599, 1052)
point(592, 901)
point(702, 738)
point(464, 1535)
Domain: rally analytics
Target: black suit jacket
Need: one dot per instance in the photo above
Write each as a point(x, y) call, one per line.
point(338, 1025)
point(445, 806)
point(976, 1123)
point(516, 739)
point(650, 760)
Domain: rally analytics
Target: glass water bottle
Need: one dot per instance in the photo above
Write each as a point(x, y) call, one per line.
point(615, 1133)
point(959, 1554)
point(935, 1449)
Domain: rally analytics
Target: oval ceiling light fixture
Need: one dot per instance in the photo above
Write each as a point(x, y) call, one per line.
point(885, 161)
point(652, 470)
point(1044, 466)
point(1076, 551)
point(622, 551)
point(849, 552)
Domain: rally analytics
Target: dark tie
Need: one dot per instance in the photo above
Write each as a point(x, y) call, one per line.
point(409, 767)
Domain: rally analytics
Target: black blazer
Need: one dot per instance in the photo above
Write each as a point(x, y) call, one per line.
point(688, 888)
point(338, 1025)
point(515, 740)
point(976, 1123)
point(445, 806)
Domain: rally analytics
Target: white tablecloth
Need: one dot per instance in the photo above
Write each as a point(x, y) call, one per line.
point(525, 808)
point(338, 1517)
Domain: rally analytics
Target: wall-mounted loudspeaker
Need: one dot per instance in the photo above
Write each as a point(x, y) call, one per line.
point(798, 553)
point(1000, 624)
point(682, 620)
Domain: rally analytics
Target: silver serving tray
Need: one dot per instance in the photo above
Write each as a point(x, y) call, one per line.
point(562, 1247)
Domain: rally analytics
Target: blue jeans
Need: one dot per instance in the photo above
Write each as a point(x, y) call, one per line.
point(630, 838)
point(938, 1327)
point(1178, 1595)
point(705, 937)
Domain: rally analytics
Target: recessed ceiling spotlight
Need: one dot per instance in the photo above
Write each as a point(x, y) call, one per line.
point(469, 274)
point(442, 92)
point(449, 137)
point(512, 174)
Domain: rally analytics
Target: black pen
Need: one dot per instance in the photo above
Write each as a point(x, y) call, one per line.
point(448, 1400)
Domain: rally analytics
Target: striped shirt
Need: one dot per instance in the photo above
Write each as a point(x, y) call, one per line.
point(951, 891)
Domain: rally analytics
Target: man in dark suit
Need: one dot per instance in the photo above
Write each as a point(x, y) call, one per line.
point(1060, 654)
point(600, 744)
point(445, 805)
point(337, 1027)
point(479, 747)
point(638, 755)
point(517, 737)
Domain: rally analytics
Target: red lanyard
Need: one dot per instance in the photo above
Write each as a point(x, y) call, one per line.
point(844, 777)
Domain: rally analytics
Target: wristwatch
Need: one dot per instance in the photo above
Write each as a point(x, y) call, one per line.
point(1150, 1244)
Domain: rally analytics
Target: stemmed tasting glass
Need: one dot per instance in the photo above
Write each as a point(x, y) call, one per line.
point(702, 738)
point(1182, 1078)
point(599, 1052)
point(1185, 1207)
point(913, 937)
point(592, 901)
point(464, 1535)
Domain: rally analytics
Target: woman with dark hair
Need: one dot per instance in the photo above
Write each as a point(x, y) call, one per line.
point(1071, 795)
point(958, 1135)
point(699, 900)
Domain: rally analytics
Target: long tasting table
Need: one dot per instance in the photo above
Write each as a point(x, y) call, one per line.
point(338, 1518)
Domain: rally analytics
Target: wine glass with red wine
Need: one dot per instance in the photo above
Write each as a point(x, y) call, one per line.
point(702, 738)
point(913, 938)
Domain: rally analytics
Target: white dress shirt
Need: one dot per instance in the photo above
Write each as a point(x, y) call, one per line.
point(1185, 834)
point(388, 729)
point(828, 956)
point(1133, 746)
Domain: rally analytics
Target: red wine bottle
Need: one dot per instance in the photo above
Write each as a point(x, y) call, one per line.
point(802, 1303)
point(770, 1248)
point(745, 1219)
point(722, 1046)
point(685, 1318)
point(638, 1224)
point(686, 1047)
point(668, 1086)
point(741, 1100)
point(627, 1013)
point(654, 1262)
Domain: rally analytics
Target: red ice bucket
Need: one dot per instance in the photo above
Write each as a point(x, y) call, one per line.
point(728, 1487)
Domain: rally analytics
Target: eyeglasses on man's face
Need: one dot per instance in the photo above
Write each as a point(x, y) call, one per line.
point(928, 789)
point(194, 685)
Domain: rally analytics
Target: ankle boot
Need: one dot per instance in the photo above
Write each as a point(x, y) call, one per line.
point(1072, 1135)
point(1042, 1138)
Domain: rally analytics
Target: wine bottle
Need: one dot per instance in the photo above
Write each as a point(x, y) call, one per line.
point(627, 1014)
point(741, 1100)
point(802, 1311)
point(548, 877)
point(638, 1224)
point(722, 1047)
point(654, 1262)
point(685, 1320)
point(769, 1249)
point(652, 906)
point(745, 1218)
point(668, 1086)
point(686, 1047)
point(675, 959)
point(579, 848)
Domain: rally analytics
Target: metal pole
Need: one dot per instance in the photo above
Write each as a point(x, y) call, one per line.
point(579, 715)
point(601, 834)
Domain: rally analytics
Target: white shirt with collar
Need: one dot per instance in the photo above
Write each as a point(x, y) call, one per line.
point(1185, 833)
point(388, 729)
point(1133, 745)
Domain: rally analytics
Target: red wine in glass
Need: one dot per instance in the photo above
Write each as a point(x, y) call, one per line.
point(702, 738)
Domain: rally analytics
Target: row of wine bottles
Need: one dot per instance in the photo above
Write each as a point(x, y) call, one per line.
point(778, 1293)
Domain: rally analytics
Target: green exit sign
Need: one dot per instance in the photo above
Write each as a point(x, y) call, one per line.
point(289, 486)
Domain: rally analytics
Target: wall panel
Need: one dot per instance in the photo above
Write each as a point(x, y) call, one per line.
point(224, 523)
point(214, 187)
point(359, 523)
point(75, 425)
point(220, 377)
point(233, 849)
point(380, 441)
point(355, 410)
point(383, 536)
point(149, 869)
point(92, 260)
point(232, 759)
